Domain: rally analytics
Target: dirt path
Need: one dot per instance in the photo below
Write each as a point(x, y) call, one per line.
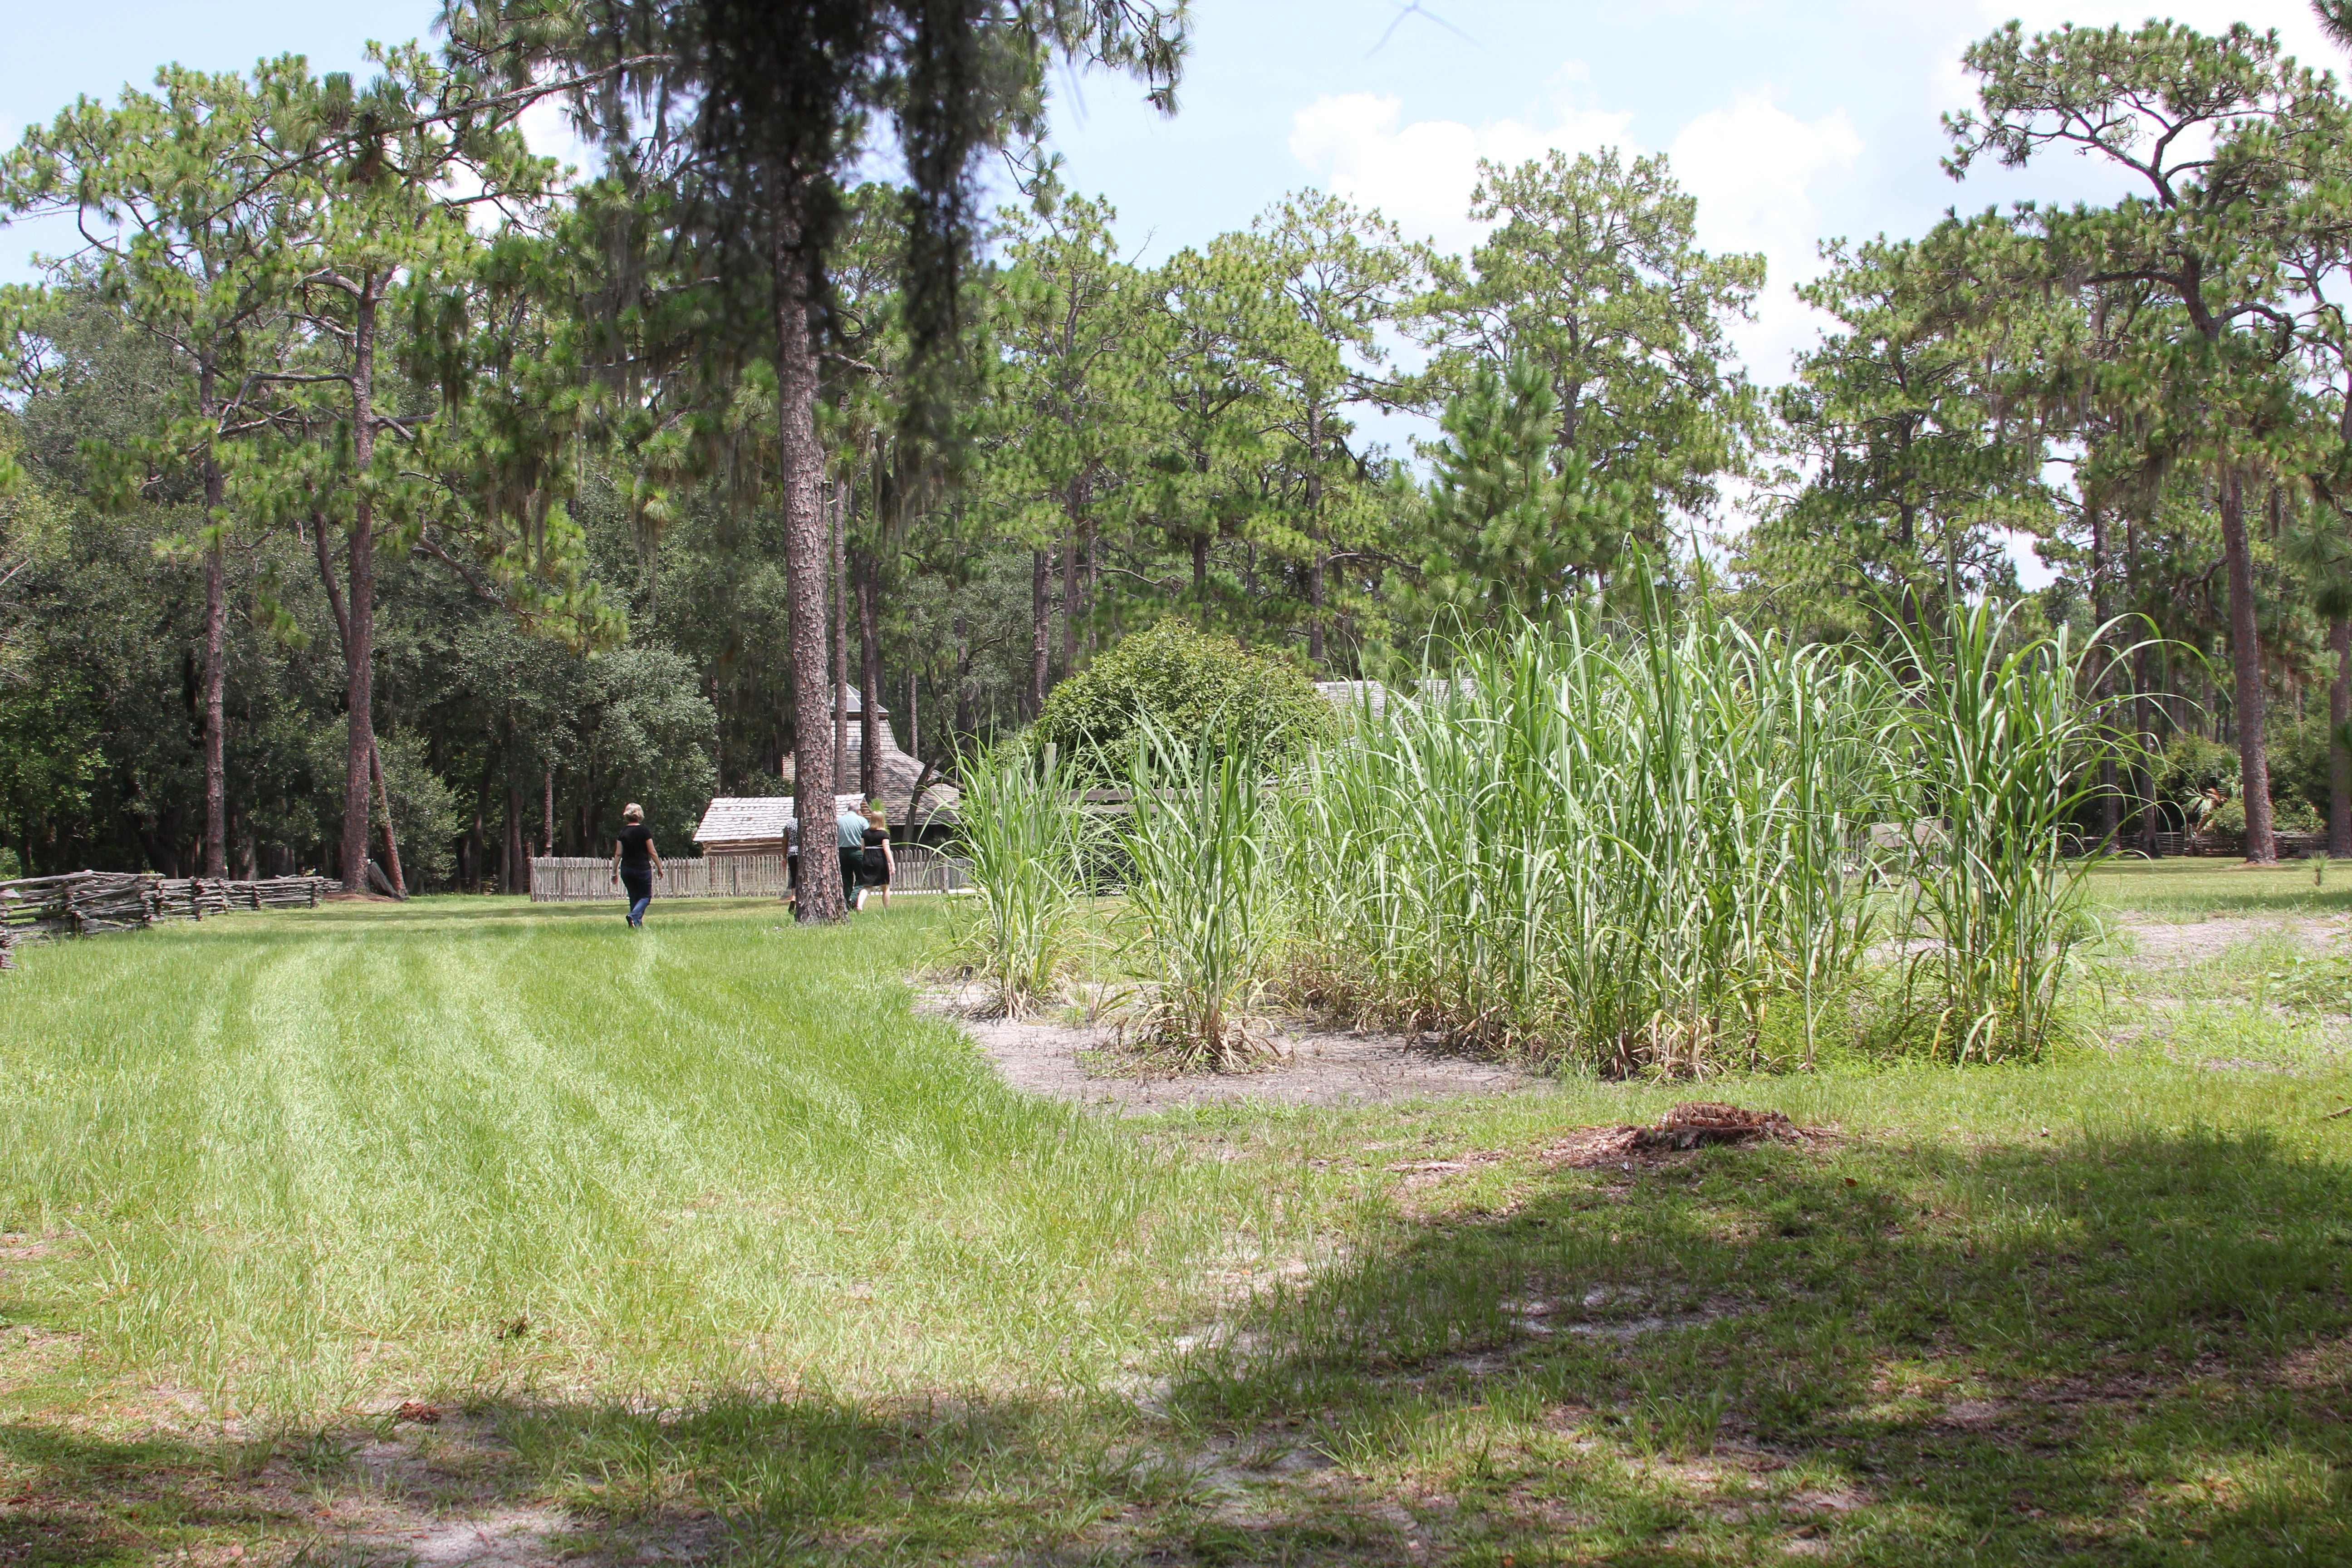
point(1323, 1067)
point(2186, 941)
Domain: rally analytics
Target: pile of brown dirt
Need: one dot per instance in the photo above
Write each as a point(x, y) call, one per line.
point(1688, 1126)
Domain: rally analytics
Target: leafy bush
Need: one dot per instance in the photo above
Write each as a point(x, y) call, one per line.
point(1188, 684)
point(2193, 765)
point(2298, 764)
point(647, 737)
point(2299, 771)
point(424, 813)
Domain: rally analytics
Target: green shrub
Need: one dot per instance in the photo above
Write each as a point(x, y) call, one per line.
point(2299, 769)
point(2193, 765)
point(1189, 684)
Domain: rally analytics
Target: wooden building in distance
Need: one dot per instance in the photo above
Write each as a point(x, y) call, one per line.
point(758, 826)
point(754, 825)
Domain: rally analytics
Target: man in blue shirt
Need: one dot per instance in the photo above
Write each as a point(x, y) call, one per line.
point(849, 827)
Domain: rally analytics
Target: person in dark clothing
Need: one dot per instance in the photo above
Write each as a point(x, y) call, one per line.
point(634, 861)
point(878, 862)
point(849, 829)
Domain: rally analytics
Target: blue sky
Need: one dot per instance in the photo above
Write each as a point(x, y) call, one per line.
point(1791, 123)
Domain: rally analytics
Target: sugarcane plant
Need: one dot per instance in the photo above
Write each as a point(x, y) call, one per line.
point(1203, 915)
point(1024, 833)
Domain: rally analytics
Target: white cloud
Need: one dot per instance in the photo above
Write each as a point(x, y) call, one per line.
point(1420, 176)
point(1754, 168)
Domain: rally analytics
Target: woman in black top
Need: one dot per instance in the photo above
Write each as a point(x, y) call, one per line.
point(634, 861)
point(875, 870)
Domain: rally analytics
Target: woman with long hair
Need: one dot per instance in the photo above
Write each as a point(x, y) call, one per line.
point(878, 862)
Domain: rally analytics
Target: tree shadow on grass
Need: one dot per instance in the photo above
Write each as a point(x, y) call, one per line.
point(2131, 1351)
point(69, 1500)
point(2134, 1351)
point(741, 1477)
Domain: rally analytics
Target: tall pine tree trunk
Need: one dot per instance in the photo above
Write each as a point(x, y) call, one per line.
point(837, 646)
point(477, 848)
point(2246, 667)
point(813, 760)
point(869, 674)
point(2110, 790)
point(1069, 604)
point(1314, 535)
point(215, 856)
point(359, 642)
point(2340, 731)
point(964, 714)
point(516, 870)
point(1041, 629)
point(391, 838)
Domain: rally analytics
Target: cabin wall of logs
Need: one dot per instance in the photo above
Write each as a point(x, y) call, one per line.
point(90, 903)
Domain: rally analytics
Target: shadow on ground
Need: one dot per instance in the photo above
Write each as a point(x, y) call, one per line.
point(2135, 1351)
point(2131, 1351)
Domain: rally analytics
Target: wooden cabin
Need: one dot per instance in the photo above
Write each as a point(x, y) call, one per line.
point(935, 817)
point(754, 825)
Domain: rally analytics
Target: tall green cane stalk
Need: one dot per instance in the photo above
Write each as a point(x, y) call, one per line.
point(1615, 851)
point(1024, 834)
point(2004, 749)
point(1203, 912)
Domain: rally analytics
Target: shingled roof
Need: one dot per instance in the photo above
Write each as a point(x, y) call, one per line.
point(900, 771)
point(754, 819)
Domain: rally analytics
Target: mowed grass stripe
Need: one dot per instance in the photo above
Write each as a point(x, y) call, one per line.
point(376, 1152)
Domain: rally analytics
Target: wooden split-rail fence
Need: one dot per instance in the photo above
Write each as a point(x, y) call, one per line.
point(580, 878)
point(88, 903)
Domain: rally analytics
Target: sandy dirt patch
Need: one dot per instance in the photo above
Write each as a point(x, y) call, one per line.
point(1320, 1067)
point(2189, 941)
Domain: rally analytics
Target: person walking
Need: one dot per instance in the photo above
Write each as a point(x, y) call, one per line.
point(634, 861)
point(879, 864)
point(849, 828)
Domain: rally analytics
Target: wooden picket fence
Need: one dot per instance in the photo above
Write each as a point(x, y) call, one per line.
point(580, 878)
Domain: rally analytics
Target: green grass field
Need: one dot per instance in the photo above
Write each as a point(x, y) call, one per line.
point(706, 1244)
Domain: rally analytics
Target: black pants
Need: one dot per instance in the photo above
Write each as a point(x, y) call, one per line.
point(852, 861)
